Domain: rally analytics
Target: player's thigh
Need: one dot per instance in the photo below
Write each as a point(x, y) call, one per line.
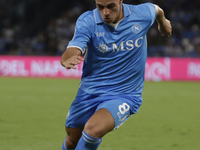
point(100, 123)
point(109, 115)
point(119, 109)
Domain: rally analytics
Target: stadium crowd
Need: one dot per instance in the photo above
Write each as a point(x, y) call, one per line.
point(29, 27)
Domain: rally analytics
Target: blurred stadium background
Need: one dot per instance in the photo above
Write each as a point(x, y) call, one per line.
point(33, 110)
point(38, 27)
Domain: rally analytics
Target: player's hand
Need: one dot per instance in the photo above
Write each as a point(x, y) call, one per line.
point(165, 27)
point(72, 61)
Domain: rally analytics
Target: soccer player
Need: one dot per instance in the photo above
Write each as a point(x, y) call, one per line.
point(112, 39)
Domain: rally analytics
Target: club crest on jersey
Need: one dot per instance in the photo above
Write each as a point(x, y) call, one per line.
point(136, 28)
point(103, 48)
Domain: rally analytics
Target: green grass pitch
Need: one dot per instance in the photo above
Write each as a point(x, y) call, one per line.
point(33, 112)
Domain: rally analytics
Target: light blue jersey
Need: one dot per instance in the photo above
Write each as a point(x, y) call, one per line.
point(115, 57)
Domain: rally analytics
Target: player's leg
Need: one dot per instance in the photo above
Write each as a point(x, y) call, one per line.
point(110, 115)
point(100, 123)
point(82, 108)
point(73, 136)
point(96, 127)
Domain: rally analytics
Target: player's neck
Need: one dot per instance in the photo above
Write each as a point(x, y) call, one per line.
point(120, 18)
point(121, 15)
point(115, 25)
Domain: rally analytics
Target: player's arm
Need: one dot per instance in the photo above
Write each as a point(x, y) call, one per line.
point(164, 25)
point(71, 57)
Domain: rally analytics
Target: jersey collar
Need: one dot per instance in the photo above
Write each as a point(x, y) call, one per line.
point(99, 20)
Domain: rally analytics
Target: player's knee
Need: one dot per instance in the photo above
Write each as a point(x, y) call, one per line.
point(71, 143)
point(93, 130)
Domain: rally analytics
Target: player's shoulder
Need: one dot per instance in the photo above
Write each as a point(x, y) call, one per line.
point(141, 7)
point(145, 11)
point(86, 16)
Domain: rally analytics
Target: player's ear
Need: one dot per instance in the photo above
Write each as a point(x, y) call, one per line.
point(120, 1)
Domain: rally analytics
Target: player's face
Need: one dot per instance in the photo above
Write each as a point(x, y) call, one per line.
point(110, 10)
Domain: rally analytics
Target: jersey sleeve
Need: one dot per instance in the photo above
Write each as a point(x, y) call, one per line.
point(149, 11)
point(82, 33)
point(153, 13)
